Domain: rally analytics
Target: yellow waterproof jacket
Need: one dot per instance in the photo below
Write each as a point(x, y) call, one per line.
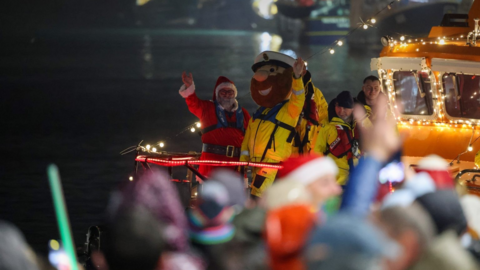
point(259, 131)
point(369, 116)
point(333, 141)
point(322, 109)
point(301, 128)
point(477, 159)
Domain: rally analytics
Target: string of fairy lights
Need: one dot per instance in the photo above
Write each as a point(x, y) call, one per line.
point(440, 118)
point(361, 25)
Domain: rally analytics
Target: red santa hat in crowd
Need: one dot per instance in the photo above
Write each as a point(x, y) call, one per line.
point(437, 168)
point(307, 168)
point(224, 83)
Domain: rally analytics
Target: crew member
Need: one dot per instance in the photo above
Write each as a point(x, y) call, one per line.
point(315, 110)
point(338, 136)
point(369, 96)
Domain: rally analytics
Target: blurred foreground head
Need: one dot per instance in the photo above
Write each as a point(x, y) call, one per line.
point(210, 220)
point(437, 168)
point(286, 231)
point(15, 254)
point(317, 173)
point(348, 243)
point(442, 205)
point(155, 192)
point(412, 228)
point(133, 240)
point(233, 183)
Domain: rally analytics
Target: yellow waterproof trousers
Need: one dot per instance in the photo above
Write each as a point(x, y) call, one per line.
point(263, 178)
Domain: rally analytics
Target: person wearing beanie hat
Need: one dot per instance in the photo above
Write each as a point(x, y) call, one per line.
point(223, 122)
point(338, 137)
point(278, 89)
point(210, 227)
point(317, 173)
point(445, 210)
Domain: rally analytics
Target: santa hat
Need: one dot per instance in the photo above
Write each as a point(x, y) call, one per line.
point(272, 58)
point(307, 168)
point(437, 168)
point(224, 83)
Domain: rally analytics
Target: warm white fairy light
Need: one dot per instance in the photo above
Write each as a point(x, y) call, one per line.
point(402, 38)
point(130, 178)
point(198, 124)
point(154, 149)
point(192, 129)
point(148, 146)
point(373, 20)
point(365, 26)
point(340, 43)
point(161, 144)
point(331, 50)
point(470, 148)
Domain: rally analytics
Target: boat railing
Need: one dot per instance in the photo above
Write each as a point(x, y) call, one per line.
point(471, 182)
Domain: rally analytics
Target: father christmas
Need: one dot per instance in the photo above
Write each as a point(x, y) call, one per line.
point(223, 121)
point(277, 87)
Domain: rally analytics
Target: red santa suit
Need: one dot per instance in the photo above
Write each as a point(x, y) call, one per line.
point(222, 131)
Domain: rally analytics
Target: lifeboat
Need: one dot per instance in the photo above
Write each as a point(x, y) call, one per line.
point(434, 82)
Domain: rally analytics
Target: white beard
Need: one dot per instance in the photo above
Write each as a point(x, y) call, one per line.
point(227, 103)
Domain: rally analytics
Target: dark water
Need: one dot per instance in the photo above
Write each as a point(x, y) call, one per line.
point(79, 97)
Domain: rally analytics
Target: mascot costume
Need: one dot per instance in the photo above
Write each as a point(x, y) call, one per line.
point(277, 87)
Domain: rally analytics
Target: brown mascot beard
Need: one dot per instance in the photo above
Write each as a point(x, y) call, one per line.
point(281, 85)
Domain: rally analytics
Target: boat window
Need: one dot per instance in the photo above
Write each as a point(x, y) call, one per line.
point(413, 91)
point(462, 95)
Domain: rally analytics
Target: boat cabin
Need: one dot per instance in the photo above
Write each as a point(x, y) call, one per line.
point(433, 85)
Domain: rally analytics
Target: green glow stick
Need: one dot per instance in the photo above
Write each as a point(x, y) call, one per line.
point(62, 215)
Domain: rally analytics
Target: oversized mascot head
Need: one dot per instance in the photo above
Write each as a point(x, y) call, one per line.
point(272, 81)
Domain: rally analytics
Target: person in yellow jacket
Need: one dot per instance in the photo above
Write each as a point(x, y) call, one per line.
point(277, 88)
point(368, 98)
point(338, 136)
point(315, 110)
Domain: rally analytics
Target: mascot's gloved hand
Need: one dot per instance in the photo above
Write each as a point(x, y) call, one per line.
point(244, 158)
point(298, 68)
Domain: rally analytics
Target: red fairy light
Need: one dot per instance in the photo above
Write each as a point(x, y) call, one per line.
point(181, 161)
point(182, 158)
